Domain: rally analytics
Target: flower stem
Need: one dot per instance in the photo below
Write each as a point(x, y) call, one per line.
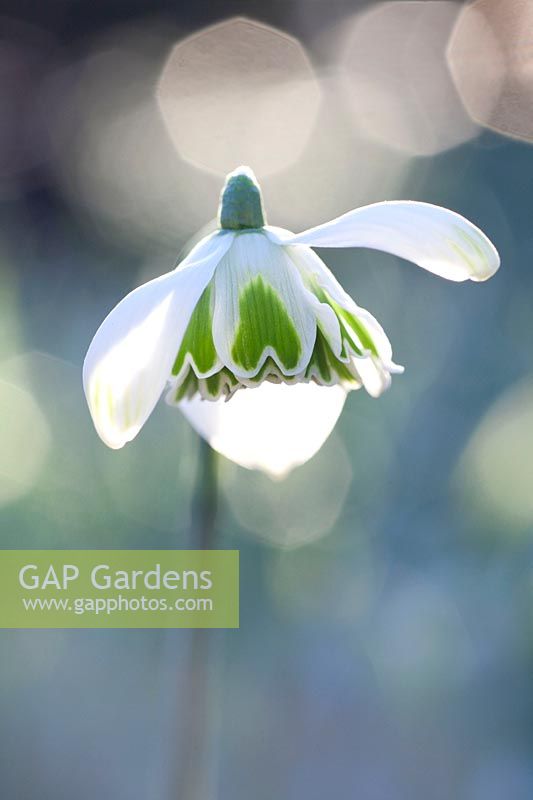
point(195, 771)
point(205, 500)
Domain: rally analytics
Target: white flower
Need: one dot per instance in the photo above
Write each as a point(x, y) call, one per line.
point(252, 303)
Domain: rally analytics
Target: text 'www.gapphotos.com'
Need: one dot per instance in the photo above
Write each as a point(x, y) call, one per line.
point(112, 605)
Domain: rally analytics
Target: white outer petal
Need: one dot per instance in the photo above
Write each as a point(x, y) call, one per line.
point(130, 357)
point(439, 240)
point(252, 255)
point(273, 428)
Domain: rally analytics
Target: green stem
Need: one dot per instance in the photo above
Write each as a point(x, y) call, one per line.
point(205, 501)
point(194, 776)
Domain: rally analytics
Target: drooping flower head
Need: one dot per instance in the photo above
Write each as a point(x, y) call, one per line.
point(252, 303)
point(273, 313)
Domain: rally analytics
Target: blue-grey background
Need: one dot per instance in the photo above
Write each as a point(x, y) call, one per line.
point(386, 642)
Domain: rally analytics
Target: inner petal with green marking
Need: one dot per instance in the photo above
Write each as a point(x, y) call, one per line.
point(197, 347)
point(270, 328)
point(264, 326)
point(324, 368)
point(357, 339)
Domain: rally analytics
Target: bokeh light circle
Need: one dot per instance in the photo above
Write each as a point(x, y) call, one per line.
point(491, 61)
point(396, 80)
point(239, 92)
point(495, 473)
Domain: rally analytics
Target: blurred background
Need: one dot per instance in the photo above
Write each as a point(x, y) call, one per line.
point(386, 641)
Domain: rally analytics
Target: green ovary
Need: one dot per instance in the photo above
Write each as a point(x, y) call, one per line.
point(264, 323)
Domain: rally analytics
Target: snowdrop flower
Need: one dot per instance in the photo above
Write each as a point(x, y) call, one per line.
point(252, 304)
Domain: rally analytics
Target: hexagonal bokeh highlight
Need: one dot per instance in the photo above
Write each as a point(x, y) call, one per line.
point(239, 92)
point(491, 61)
point(396, 79)
point(297, 511)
